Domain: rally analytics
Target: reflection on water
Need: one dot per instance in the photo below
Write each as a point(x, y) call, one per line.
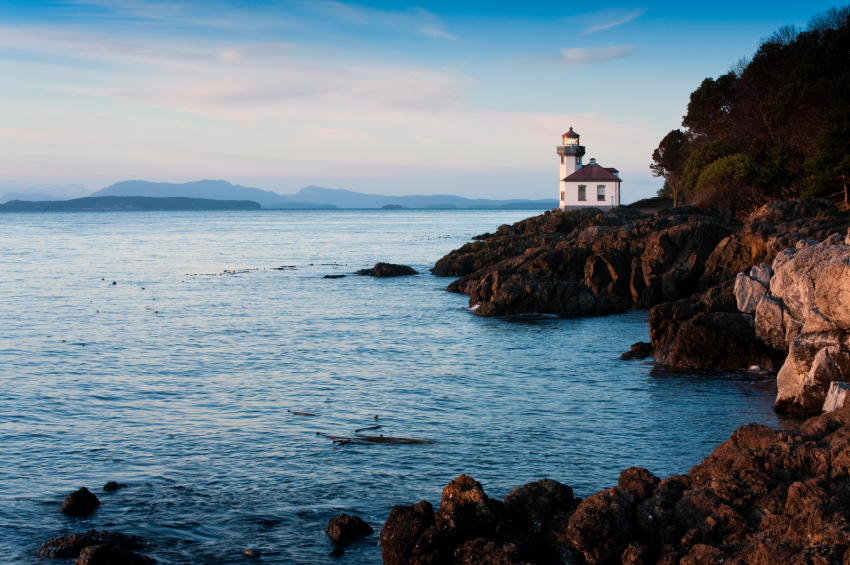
point(185, 383)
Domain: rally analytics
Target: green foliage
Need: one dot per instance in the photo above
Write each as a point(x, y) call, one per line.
point(699, 158)
point(666, 191)
point(732, 170)
point(710, 106)
point(668, 160)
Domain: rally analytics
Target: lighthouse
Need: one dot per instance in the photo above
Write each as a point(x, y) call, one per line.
point(584, 185)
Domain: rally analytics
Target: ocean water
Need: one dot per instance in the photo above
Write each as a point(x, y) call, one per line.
point(182, 380)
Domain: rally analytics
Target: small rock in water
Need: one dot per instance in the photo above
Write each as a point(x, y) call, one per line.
point(333, 276)
point(109, 554)
point(113, 282)
point(337, 552)
point(252, 551)
point(80, 503)
point(344, 529)
point(387, 270)
point(112, 485)
point(639, 350)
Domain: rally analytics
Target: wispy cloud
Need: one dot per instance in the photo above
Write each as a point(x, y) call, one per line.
point(608, 18)
point(580, 56)
point(418, 20)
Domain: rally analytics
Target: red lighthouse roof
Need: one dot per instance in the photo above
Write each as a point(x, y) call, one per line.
point(571, 134)
point(592, 172)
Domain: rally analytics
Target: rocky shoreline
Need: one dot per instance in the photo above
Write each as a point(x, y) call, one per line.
point(773, 294)
point(716, 292)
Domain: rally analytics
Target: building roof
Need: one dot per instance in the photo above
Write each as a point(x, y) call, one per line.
point(592, 173)
point(611, 170)
point(570, 133)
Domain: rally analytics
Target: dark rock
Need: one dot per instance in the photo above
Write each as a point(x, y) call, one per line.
point(487, 552)
point(344, 529)
point(112, 485)
point(333, 276)
point(638, 482)
point(603, 524)
point(337, 552)
point(636, 554)
point(466, 512)
point(109, 554)
point(402, 531)
point(72, 545)
point(387, 270)
point(252, 551)
point(80, 503)
point(639, 350)
point(528, 510)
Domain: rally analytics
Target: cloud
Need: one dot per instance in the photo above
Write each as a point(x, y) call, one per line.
point(608, 18)
point(576, 57)
point(418, 20)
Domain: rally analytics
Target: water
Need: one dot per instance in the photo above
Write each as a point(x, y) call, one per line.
point(181, 384)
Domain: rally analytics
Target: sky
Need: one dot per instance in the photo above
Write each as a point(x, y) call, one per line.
point(465, 98)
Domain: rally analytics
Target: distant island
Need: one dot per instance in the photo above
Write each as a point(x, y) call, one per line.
point(127, 203)
point(309, 197)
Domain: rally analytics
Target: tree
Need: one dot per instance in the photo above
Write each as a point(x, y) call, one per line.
point(710, 105)
point(669, 161)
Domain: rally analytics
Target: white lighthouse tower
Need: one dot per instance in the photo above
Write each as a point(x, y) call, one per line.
point(584, 185)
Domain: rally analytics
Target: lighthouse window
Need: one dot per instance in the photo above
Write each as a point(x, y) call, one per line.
point(562, 159)
point(563, 197)
point(582, 192)
point(578, 160)
point(600, 192)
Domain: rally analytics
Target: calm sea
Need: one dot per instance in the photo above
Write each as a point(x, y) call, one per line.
point(181, 380)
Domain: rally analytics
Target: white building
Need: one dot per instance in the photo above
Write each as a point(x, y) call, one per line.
point(585, 185)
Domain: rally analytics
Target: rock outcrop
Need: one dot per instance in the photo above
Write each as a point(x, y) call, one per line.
point(96, 548)
point(344, 529)
point(804, 314)
point(585, 262)
point(383, 270)
point(761, 498)
point(589, 263)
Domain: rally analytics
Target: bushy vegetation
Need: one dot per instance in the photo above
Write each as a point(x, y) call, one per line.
point(774, 126)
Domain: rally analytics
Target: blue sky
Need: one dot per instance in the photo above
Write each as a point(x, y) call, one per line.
point(468, 98)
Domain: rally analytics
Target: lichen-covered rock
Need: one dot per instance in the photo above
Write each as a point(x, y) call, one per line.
point(344, 529)
point(80, 503)
point(836, 397)
point(487, 552)
point(466, 511)
point(639, 350)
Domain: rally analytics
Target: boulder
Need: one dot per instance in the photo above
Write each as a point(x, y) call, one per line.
point(80, 503)
point(602, 525)
point(466, 512)
point(762, 273)
point(748, 293)
point(801, 355)
point(403, 529)
point(829, 365)
point(816, 278)
point(344, 529)
point(835, 398)
point(387, 270)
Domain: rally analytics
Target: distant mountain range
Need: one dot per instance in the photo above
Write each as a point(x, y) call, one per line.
point(127, 203)
point(15, 191)
point(308, 197)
